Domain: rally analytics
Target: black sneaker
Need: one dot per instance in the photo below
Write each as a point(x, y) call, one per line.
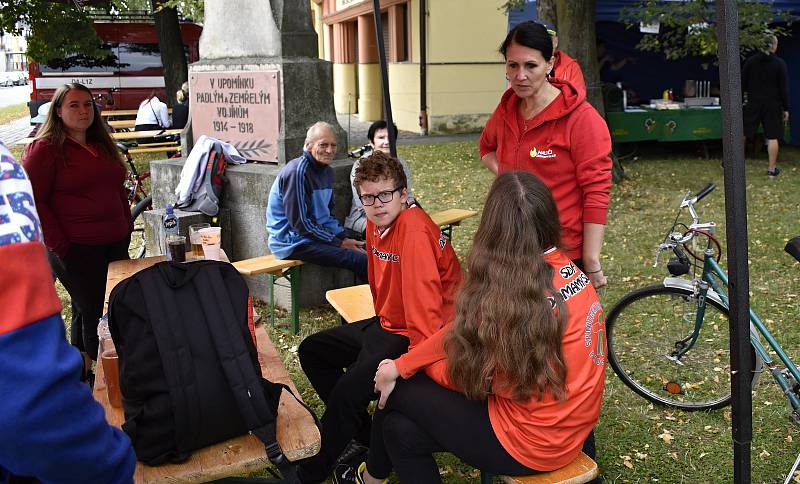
point(774, 173)
point(352, 453)
point(346, 469)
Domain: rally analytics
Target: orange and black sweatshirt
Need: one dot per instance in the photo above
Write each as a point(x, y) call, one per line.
point(543, 434)
point(414, 275)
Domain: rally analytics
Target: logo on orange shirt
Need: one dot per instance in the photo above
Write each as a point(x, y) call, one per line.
point(594, 334)
point(387, 256)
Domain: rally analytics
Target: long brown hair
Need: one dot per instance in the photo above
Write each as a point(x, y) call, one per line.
point(509, 319)
point(53, 127)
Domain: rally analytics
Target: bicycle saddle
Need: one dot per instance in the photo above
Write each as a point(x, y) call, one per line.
point(793, 248)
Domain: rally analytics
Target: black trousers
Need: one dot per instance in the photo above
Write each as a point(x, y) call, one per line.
point(324, 356)
point(83, 272)
point(422, 417)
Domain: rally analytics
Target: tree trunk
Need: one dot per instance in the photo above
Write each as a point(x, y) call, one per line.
point(170, 44)
point(546, 11)
point(575, 25)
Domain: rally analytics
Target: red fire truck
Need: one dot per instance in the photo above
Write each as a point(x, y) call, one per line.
point(126, 76)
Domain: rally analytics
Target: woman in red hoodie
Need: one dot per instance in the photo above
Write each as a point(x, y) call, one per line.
point(546, 127)
point(514, 385)
point(77, 177)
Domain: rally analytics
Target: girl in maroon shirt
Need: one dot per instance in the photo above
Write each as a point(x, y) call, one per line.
point(77, 177)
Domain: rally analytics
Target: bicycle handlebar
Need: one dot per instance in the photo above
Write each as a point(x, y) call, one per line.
point(675, 239)
point(688, 202)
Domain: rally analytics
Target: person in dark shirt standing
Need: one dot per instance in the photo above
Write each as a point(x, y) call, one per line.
point(765, 82)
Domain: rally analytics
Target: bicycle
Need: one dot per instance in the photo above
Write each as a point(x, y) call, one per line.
point(669, 343)
point(139, 202)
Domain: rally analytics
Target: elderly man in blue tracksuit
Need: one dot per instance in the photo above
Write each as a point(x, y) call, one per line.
point(51, 429)
point(299, 219)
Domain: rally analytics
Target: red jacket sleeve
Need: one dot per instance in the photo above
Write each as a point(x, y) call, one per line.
point(421, 286)
point(40, 160)
point(488, 141)
point(590, 145)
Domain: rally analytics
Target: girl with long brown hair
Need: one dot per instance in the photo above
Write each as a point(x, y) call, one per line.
point(77, 177)
point(513, 386)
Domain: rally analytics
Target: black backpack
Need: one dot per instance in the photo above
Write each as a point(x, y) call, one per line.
point(189, 370)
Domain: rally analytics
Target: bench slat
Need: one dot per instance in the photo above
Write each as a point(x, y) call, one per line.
point(452, 216)
point(353, 303)
point(158, 149)
point(266, 264)
point(582, 469)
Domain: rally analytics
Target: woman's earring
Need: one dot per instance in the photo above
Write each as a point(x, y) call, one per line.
point(507, 79)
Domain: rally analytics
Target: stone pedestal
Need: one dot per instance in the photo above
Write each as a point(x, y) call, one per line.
point(244, 224)
point(259, 85)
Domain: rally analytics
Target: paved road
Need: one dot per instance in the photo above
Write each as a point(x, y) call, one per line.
point(14, 95)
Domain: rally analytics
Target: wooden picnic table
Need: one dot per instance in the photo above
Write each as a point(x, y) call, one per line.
point(297, 433)
point(125, 136)
point(122, 123)
point(134, 135)
point(122, 112)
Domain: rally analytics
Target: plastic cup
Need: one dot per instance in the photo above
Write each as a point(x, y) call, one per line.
point(176, 248)
point(196, 241)
point(110, 362)
point(211, 238)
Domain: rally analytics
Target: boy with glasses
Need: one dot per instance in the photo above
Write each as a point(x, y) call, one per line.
point(413, 276)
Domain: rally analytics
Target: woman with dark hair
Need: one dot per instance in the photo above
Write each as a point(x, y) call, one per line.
point(546, 127)
point(77, 177)
point(513, 386)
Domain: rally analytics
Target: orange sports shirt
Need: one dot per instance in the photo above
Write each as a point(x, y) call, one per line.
point(414, 275)
point(544, 434)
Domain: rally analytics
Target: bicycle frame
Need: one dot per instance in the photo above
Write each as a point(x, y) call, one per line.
point(716, 278)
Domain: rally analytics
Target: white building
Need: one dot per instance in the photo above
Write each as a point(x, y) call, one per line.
point(12, 53)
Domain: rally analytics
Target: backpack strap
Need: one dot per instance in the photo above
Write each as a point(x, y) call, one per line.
point(168, 326)
point(250, 393)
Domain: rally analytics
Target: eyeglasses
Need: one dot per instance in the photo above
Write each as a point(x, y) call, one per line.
point(385, 197)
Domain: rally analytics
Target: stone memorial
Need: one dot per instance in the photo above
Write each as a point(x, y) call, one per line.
point(259, 85)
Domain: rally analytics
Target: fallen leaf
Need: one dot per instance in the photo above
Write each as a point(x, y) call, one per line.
point(666, 436)
point(764, 454)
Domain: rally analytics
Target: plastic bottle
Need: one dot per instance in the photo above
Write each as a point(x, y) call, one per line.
point(170, 223)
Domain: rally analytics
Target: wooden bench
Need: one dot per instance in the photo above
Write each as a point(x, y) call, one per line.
point(123, 113)
point(447, 219)
point(277, 269)
point(355, 304)
point(582, 469)
point(154, 149)
point(122, 123)
point(289, 269)
point(297, 432)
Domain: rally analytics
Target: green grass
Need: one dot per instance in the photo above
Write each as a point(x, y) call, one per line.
point(638, 442)
point(13, 112)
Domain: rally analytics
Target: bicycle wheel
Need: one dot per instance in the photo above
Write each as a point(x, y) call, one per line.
point(647, 328)
point(136, 249)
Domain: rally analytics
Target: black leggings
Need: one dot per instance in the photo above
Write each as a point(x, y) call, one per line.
point(422, 417)
point(83, 272)
point(359, 347)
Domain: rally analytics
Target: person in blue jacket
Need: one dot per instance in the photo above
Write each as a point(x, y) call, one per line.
point(51, 429)
point(300, 222)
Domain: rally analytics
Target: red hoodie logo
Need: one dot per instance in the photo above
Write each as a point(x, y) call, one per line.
point(542, 153)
